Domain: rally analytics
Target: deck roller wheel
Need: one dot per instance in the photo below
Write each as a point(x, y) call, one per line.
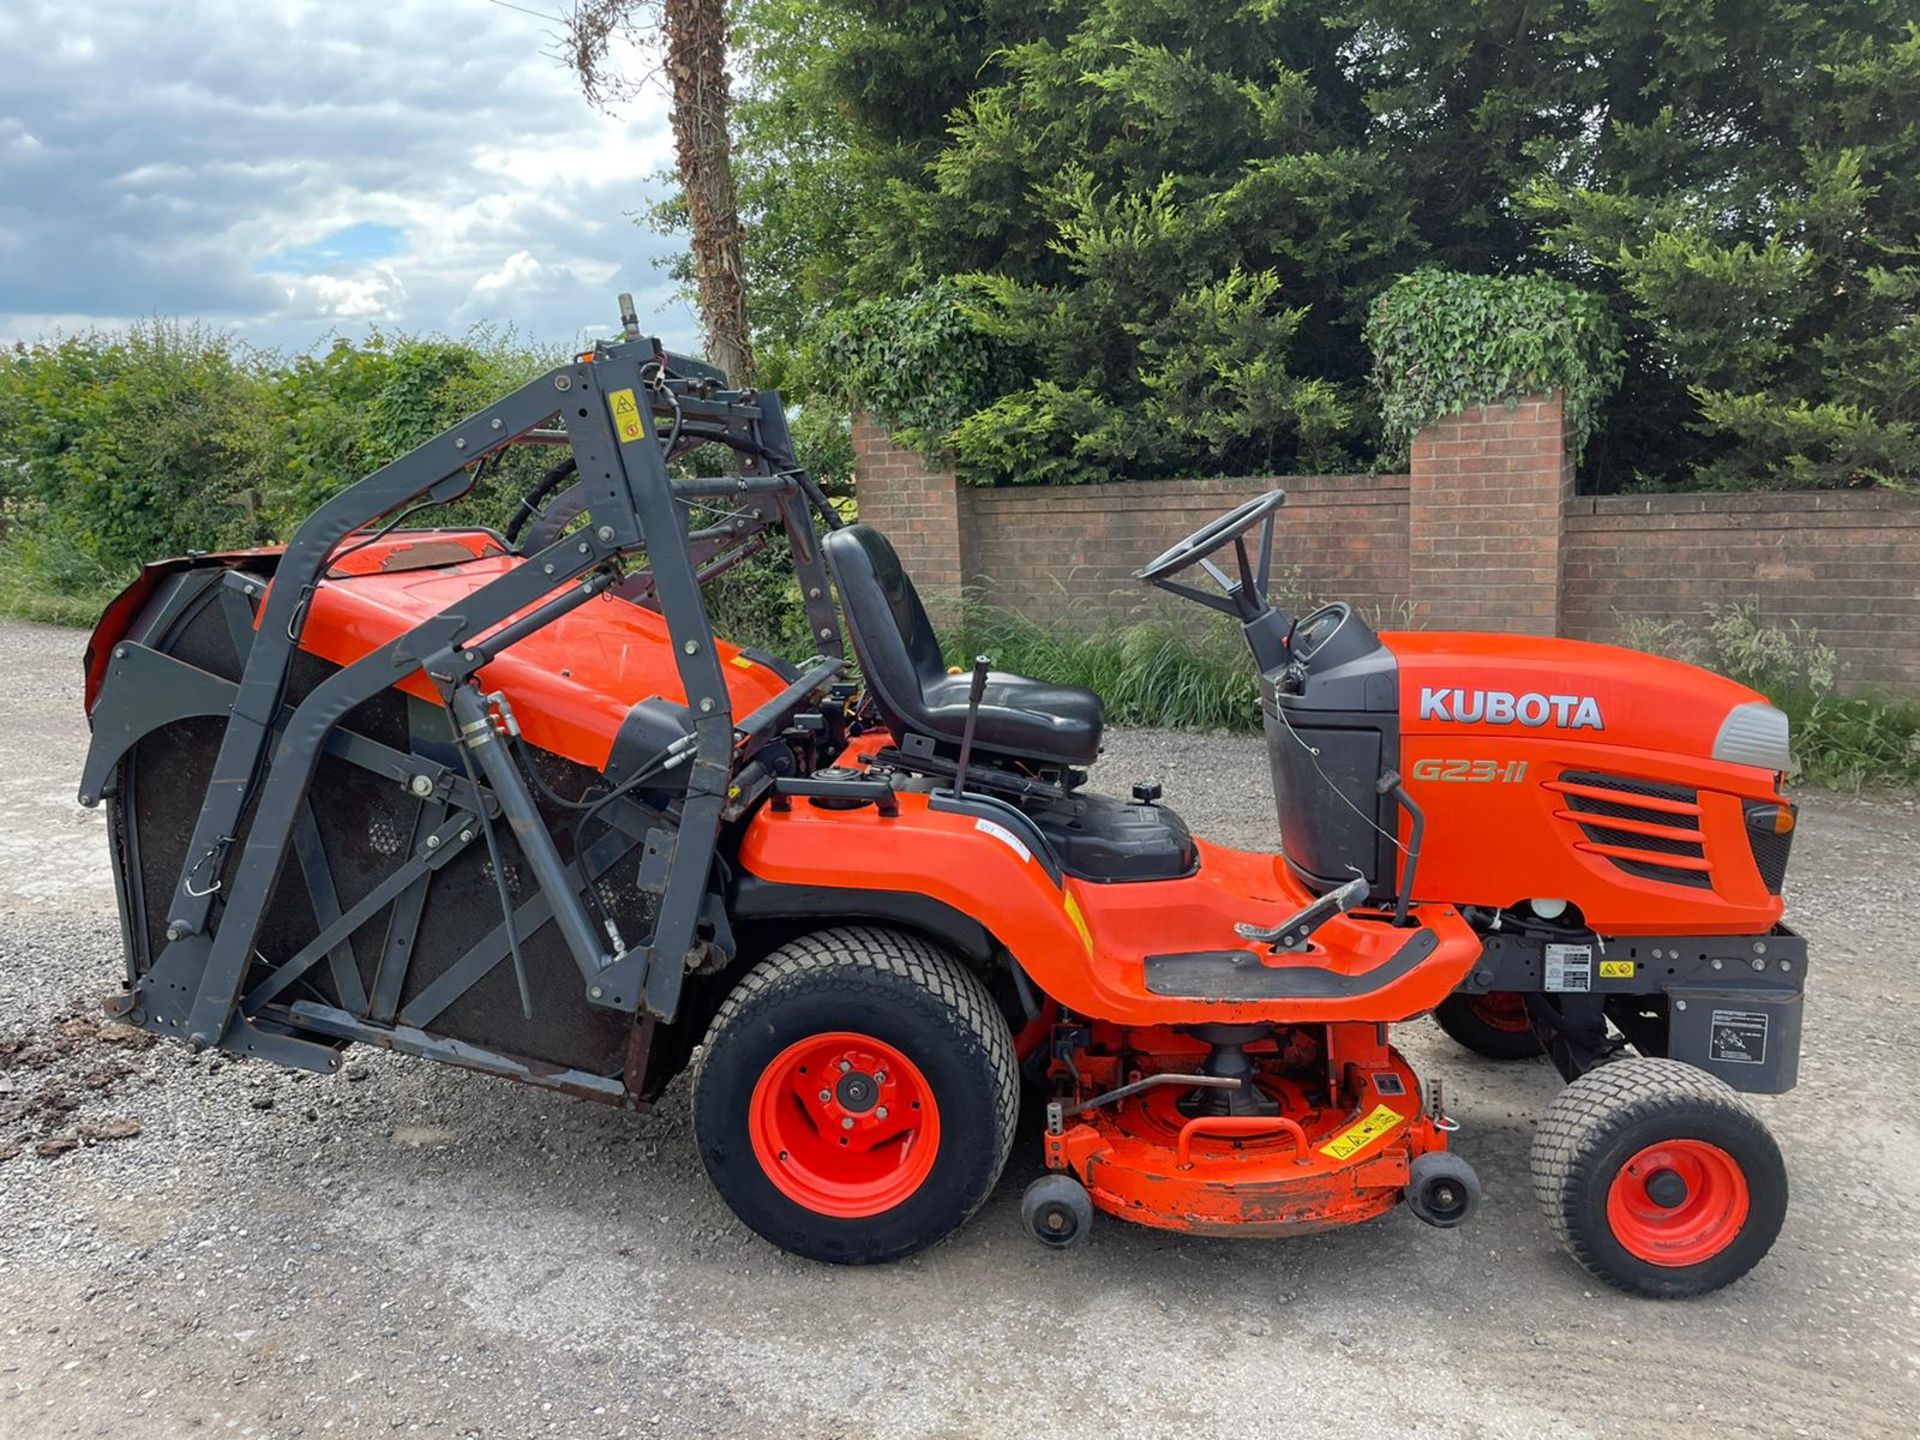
point(854, 1099)
point(1658, 1178)
point(1057, 1211)
point(1442, 1189)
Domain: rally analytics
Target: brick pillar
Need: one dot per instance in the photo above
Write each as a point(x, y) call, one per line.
point(916, 505)
point(1488, 493)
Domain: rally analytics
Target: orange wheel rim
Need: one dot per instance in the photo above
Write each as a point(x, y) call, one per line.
point(1678, 1203)
point(1501, 1010)
point(844, 1124)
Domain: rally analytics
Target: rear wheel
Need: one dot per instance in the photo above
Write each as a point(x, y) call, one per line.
point(1494, 1025)
point(854, 1101)
point(1658, 1178)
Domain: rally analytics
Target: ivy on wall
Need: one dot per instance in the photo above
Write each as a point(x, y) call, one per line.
point(1444, 341)
point(918, 363)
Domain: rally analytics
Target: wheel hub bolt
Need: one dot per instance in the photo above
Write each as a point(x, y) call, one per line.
point(847, 1124)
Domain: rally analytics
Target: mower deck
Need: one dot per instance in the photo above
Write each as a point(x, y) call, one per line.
point(1319, 1159)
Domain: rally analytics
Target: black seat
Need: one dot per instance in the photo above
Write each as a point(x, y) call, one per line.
point(900, 656)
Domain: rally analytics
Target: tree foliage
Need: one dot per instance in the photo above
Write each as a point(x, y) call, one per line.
point(1173, 217)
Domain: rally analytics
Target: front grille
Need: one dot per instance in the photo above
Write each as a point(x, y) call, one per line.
point(1770, 853)
point(1671, 813)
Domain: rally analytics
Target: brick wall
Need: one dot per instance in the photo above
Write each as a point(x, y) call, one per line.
point(1073, 550)
point(1484, 534)
point(1488, 487)
point(1845, 562)
point(917, 506)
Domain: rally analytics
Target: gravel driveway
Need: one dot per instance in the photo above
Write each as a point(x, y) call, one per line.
point(408, 1248)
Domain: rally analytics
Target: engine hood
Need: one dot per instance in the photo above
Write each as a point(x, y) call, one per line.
point(1465, 683)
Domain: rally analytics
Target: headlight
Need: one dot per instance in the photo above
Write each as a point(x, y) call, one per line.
point(1754, 734)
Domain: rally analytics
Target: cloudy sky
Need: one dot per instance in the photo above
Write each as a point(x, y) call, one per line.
point(290, 169)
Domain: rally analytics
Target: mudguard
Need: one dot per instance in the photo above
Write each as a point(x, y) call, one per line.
point(1159, 952)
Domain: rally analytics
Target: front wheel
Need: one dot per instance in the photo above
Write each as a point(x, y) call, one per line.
point(854, 1100)
point(1494, 1024)
point(1658, 1178)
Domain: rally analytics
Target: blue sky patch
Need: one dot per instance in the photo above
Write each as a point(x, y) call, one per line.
point(355, 245)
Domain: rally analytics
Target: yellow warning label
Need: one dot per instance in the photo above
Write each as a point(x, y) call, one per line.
point(1079, 920)
point(1358, 1136)
point(742, 661)
point(628, 423)
point(1616, 969)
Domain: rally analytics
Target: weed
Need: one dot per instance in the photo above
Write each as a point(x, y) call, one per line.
point(1150, 673)
point(1847, 741)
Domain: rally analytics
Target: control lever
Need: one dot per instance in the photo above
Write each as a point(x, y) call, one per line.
point(1293, 932)
point(975, 692)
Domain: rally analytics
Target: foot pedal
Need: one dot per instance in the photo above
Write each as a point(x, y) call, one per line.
point(1293, 933)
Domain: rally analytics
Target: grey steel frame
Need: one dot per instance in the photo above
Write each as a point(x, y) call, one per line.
point(268, 752)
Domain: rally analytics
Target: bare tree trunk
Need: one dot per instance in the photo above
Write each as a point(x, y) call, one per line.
point(703, 143)
point(696, 37)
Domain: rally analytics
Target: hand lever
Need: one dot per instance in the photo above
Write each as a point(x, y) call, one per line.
point(974, 693)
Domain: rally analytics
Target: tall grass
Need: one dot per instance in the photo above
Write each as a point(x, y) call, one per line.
point(1151, 673)
point(26, 594)
point(1155, 673)
point(1846, 741)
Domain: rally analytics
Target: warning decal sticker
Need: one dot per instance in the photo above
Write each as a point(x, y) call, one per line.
point(627, 421)
point(1005, 836)
point(1616, 969)
point(1079, 920)
point(1738, 1037)
point(1357, 1137)
point(1569, 967)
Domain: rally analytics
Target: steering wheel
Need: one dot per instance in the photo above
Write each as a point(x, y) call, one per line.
point(1214, 535)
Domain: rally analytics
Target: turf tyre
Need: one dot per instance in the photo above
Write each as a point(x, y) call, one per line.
point(1610, 1115)
point(909, 995)
point(1465, 1023)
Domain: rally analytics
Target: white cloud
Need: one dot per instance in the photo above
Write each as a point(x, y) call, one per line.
point(160, 158)
point(376, 297)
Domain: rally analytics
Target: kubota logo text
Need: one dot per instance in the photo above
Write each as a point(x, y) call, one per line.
point(1503, 707)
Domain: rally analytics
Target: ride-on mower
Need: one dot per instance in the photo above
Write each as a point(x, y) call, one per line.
point(502, 799)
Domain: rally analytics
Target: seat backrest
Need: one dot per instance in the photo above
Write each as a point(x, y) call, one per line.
point(892, 637)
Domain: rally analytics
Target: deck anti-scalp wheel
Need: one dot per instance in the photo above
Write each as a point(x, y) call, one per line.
point(1658, 1178)
point(854, 1101)
point(1494, 1025)
point(1057, 1211)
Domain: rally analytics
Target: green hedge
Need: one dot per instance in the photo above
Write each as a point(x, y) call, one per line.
point(121, 447)
point(1444, 342)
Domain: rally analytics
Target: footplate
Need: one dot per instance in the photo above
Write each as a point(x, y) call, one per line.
point(1245, 975)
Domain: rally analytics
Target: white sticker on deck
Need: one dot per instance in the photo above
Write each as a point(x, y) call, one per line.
point(1569, 967)
point(1005, 836)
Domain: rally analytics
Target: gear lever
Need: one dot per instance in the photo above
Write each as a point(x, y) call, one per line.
point(975, 692)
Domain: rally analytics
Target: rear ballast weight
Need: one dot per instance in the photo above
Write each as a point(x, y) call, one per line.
point(506, 801)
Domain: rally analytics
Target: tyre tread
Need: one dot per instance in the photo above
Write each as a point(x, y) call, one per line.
point(845, 957)
point(1583, 1116)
